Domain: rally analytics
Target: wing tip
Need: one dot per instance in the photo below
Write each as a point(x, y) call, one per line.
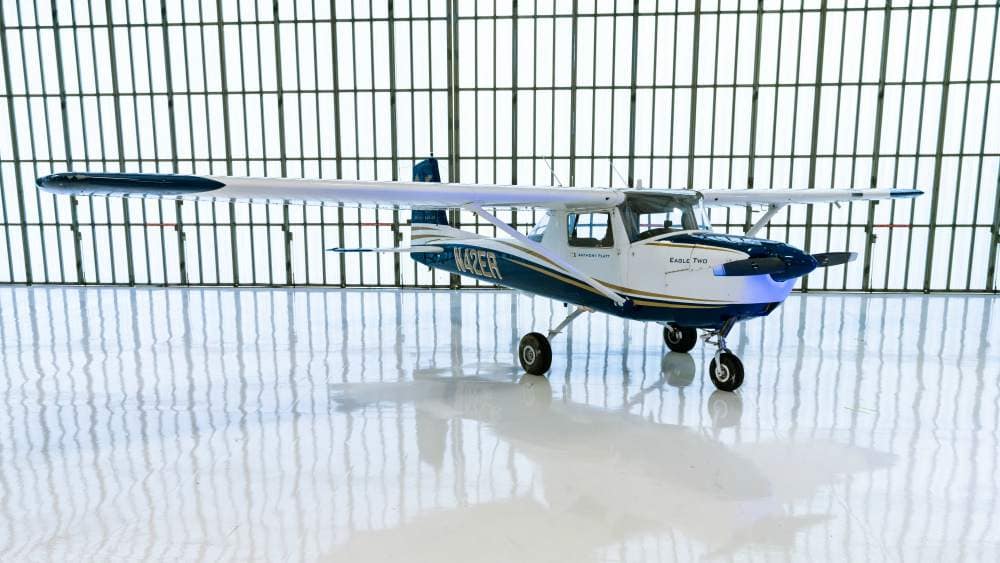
point(906, 193)
point(123, 183)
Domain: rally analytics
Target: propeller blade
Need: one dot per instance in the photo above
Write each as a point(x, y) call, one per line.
point(827, 259)
point(751, 267)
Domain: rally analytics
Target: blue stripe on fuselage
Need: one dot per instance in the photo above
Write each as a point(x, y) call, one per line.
point(519, 273)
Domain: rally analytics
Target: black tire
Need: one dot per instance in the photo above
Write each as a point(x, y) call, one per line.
point(534, 353)
point(680, 338)
point(730, 373)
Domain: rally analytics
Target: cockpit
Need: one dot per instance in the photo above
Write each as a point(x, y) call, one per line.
point(650, 214)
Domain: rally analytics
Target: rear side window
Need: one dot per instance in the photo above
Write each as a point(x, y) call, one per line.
point(589, 230)
point(538, 231)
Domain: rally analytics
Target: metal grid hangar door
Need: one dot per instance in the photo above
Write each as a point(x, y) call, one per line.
point(708, 95)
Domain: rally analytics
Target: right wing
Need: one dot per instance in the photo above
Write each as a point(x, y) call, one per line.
point(364, 192)
point(786, 197)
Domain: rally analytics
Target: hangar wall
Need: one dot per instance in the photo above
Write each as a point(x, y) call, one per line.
point(701, 94)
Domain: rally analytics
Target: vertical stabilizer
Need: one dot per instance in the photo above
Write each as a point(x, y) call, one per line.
point(428, 171)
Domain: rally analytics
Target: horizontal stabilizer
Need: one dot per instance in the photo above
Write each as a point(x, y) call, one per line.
point(826, 259)
point(427, 249)
point(751, 267)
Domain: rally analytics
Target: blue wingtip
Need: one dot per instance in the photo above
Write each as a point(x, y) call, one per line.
point(48, 182)
point(117, 183)
point(907, 193)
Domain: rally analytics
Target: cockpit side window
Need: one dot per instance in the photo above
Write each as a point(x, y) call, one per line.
point(589, 230)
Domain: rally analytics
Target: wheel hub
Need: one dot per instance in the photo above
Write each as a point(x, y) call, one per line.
point(721, 372)
point(529, 355)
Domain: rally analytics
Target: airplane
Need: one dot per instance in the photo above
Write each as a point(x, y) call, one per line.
point(641, 254)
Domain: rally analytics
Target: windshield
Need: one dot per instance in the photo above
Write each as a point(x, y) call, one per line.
point(650, 215)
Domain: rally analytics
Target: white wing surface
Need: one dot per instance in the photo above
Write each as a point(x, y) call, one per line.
point(786, 197)
point(277, 190)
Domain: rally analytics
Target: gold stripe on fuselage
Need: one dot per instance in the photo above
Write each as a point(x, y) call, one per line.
point(686, 245)
point(618, 287)
point(532, 252)
point(646, 303)
point(594, 291)
point(663, 295)
point(564, 279)
point(693, 302)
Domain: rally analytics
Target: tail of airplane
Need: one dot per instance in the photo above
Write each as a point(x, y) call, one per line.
point(428, 171)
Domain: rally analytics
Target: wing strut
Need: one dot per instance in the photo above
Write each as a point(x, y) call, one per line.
point(772, 210)
point(517, 235)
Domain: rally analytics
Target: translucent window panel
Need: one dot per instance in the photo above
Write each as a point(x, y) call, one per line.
point(265, 93)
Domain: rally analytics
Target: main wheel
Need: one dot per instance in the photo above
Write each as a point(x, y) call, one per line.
point(535, 353)
point(680, 338)
point(727, 375)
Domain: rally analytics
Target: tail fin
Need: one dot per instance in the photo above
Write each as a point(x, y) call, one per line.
point(428, 171)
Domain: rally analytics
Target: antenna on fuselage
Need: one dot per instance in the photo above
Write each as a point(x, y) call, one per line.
point(620, 177)
point(552, 170)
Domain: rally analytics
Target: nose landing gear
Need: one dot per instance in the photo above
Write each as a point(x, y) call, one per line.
point(725, 369)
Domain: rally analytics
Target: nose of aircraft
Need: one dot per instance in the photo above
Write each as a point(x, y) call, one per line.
point(796, 262)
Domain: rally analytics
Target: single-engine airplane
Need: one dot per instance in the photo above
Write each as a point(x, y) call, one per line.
point(641, 254)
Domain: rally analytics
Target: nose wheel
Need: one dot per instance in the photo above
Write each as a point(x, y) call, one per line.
point(725, 370)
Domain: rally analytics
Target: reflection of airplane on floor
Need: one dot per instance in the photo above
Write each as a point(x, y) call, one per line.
point(647, 255)
point(601, 481)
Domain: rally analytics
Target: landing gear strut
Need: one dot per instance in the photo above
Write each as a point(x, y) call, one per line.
point(534, 351)
point(725, 369)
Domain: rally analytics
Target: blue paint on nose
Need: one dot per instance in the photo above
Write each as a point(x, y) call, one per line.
point(797, 262)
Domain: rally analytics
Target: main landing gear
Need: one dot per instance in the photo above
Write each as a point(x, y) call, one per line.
point(680, 338)
point(725, 370)
point(534, 351)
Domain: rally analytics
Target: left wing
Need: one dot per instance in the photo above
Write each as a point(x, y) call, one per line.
point(368, 193)
point(785, 197)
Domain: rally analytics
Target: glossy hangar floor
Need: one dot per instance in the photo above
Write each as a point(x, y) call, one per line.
point(355, 426)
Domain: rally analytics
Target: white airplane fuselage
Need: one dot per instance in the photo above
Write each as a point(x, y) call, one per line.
point(669, 277)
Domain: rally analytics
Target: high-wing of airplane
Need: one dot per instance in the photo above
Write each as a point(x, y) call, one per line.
point(642, 254)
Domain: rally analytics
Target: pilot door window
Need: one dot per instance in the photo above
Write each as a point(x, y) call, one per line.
point(590, 230)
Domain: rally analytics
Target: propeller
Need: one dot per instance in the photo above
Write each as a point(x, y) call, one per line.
point(782, 268)
point(751, 267)
point(827, 259)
